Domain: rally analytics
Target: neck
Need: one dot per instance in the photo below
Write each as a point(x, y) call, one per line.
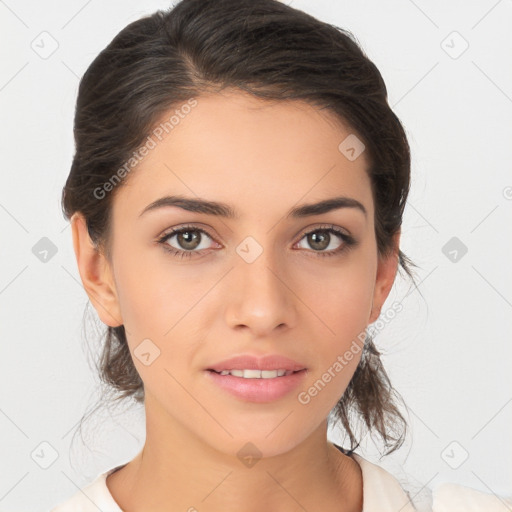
point(176, 470)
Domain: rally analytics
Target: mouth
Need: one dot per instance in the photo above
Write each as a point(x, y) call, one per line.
point(258, 386)
point(256, 374)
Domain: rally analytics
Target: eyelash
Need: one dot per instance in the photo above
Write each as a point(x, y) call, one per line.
point(348, 241)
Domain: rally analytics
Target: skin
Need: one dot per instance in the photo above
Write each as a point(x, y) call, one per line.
point(261, 158)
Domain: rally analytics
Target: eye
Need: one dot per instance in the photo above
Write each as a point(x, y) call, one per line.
point(322, 238)
point(185, 241)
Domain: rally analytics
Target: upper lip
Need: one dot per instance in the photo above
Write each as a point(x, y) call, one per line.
point(249, 362)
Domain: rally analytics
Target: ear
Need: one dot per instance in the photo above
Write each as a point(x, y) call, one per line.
point(386, 271)
point(95, 272)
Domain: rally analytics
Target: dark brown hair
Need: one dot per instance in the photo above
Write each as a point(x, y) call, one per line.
point(274, 52)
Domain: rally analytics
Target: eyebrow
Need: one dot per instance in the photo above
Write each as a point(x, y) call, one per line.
point(224, 210)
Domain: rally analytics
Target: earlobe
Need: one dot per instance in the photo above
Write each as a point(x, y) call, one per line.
point(95, 273)
point(386, 272)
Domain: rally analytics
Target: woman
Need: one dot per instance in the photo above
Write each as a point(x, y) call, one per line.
point(236, 199)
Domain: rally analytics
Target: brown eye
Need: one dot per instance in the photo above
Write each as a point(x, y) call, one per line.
point(189, 239)
point(185, 241)
point(327, 241)
point(319, 240)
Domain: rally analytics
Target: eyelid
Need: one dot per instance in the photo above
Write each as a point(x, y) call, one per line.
point(303, 232)
point(168, 233)
point(181, 227)
point(318, 227)
point(347, 239)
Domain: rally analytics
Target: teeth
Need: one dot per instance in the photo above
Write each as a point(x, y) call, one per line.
point(256, 374)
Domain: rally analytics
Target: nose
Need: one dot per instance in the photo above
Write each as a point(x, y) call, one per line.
point(260, 298)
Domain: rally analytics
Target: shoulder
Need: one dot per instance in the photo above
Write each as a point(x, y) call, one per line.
point(450, 497)
point(381, 490)
point(91, 498)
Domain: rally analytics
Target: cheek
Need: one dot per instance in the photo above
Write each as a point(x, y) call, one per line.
point(343, 302)
point(155, 295)
point(161, 304)
point(343, 299)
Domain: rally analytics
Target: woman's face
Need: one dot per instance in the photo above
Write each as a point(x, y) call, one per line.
point(265, 281)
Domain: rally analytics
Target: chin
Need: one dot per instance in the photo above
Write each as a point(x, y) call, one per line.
point(253, 445)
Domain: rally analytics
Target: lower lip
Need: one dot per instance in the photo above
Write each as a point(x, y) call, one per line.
point(258, 390)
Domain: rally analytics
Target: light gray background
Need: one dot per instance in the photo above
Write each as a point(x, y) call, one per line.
point(448, 352)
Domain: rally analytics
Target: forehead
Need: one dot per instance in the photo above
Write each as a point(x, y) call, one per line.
point(236, 148)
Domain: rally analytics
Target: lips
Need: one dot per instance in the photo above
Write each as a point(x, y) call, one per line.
point(257, 390)
point(262, 363)
point(256, 374)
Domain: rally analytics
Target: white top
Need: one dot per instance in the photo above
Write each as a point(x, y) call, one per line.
point(381, 493)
